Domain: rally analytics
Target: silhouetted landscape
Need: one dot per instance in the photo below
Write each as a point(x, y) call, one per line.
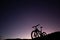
point(52, 36)
point(18, 39)
point(34, 19)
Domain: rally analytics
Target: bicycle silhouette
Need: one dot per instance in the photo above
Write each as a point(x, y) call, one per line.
point(37, 33)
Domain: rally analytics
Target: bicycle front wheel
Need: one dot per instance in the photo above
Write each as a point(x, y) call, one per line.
point(34, 34)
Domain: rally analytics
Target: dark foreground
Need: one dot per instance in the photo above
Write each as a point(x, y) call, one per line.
point(52, 36)
point(18, 39)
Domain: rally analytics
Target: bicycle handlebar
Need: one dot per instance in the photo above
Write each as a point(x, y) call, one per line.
point(36, 26)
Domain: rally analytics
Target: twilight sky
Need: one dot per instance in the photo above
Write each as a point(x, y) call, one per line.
point(18, 17)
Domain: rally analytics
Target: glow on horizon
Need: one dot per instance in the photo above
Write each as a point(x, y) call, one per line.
point(26, 35)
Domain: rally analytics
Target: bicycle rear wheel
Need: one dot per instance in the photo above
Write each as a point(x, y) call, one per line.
point(44, 33)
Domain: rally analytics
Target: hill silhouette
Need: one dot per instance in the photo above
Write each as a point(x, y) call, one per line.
point(18, 39)
point(52, 36)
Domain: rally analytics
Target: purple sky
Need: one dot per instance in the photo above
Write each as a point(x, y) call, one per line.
point(18, 17)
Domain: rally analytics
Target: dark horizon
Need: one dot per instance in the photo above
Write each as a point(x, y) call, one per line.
point(18, 17)
point(52, 36)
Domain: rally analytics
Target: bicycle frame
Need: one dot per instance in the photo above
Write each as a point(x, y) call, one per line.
point(37, 28)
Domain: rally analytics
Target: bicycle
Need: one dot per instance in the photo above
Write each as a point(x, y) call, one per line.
point(36, 33)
